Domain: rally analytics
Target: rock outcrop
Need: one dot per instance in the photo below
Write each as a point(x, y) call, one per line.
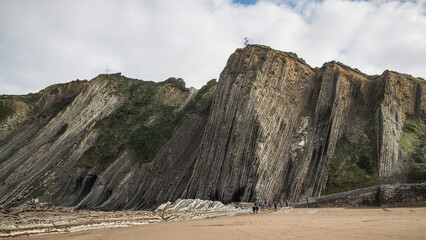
point(34, 221)
point(275, 123)
point(33, 145)
point(191, 209)
point(272, 128)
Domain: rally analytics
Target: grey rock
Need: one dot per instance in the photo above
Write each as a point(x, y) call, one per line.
point(273, 126)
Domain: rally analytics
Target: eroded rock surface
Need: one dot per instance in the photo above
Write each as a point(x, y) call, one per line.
point(275, 124)
point(35, 220)
point(272, 129)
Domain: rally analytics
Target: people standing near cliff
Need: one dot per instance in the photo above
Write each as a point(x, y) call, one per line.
point(287, 203)
point(275, 206)
point(270, 204)
point(281, 203)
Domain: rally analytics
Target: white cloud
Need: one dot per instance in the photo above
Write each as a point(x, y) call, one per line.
point(45, 42)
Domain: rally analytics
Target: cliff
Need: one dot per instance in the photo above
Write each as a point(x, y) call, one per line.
point(279, 129)
point(272, 128)
point(115, 142)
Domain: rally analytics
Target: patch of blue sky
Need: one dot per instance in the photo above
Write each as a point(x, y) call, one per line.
point(245, 2)
point(302, 3)
point(291, 3)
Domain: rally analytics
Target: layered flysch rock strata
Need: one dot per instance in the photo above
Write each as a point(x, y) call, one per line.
point(402, 98)
point(34, 150)
point(191, 209)
point(275, 123)
point(276, 129)
point(45, 220)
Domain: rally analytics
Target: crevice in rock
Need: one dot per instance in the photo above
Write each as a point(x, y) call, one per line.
point(238, 194)
point(418, 100)
point(85, 185)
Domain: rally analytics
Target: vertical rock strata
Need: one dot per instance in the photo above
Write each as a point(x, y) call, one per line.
point(275, 126)
point(275, 123)
point(402, 97)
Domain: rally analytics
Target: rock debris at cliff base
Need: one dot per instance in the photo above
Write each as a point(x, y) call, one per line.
point(34, 221)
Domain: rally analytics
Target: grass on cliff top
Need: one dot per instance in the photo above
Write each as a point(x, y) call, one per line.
point(143, 123)
point(6, 109)
point(353, 165)
point(29, 98)
point(32, 99)
point(413, 142)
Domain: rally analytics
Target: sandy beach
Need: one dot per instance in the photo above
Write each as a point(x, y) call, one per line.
point(299, 223)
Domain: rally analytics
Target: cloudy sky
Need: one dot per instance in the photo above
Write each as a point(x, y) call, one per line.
point(43, 42)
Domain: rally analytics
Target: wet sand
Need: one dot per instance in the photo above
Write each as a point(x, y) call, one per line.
point(324, 223)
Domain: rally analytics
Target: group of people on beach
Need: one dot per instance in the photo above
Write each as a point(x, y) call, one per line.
point(268, 205)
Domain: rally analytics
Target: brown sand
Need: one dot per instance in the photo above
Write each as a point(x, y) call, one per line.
point(327, 223)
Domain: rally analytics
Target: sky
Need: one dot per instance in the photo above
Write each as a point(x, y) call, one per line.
point(44, 42)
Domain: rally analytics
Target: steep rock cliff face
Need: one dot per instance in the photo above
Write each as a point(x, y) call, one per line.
point(35, 144)
point(275, 124)
point(48, 154)
point(272, 128)
point(124, 186)
point(402, 97)
point(131, 184)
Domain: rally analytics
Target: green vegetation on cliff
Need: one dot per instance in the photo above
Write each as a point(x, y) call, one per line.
point(203, 100)
point(144, 122)
point(58, 106)
point(353, 166)
point(5, 111)
point(29, 98)
point(413, 142)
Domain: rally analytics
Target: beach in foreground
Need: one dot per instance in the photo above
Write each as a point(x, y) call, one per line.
point(299, 223)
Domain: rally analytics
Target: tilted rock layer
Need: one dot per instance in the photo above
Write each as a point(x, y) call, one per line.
point(275, 123)
point(268, 133)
